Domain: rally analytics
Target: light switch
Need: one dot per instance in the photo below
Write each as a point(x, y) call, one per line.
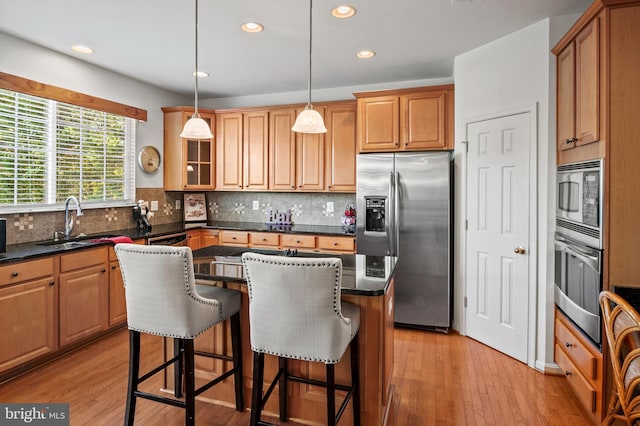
point(154, 206)
point(256, 205)
point(178, 204)
point(329, 206)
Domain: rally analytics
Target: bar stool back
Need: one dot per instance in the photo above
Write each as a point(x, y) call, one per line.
point(163, 299)
point(295, 312)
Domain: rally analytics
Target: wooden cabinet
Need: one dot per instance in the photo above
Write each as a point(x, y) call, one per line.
point(337, 244)
point(234, 238)
point(242, 151)
point(264, 239)
point(406, 120)
point(581, 363)
point(117, 296)
point(210, 237)
point(194, 239)
point(310, 158)
point(578, 96)
point(84, 294)
point(282, 150)
point(188, 164)
point(340, 143)
point(28, 312)
point(298, 241)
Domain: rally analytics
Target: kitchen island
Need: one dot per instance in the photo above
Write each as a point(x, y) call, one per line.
point(367, 281)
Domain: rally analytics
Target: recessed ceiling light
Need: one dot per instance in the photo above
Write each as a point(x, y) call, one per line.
point(343, 12)
point(252, 27)
point(81, 49)
point(200, 74)
point(366, 54)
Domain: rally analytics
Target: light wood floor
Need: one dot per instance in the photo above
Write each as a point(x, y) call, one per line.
point(439, 380)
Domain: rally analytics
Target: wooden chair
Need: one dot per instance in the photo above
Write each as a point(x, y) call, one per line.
point(622, 328)
point(163, 299)
point(295, 312)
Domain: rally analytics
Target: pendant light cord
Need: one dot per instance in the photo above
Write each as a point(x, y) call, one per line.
point(310, 32)
point(196, 71)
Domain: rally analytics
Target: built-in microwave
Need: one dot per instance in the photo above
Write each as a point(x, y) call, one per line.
point(579, 198)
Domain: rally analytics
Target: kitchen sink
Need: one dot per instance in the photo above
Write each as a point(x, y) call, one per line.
point(80, 240)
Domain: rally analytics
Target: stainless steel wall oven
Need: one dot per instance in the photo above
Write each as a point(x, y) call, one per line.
point(578, 244)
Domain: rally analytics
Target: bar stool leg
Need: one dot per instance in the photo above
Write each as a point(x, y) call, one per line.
point(177, 368)
point(331, 395)
point(355, 379)
point(189, 379)
point(236, 348)
point(134, 371)
point(284, 376)
point(256, 396)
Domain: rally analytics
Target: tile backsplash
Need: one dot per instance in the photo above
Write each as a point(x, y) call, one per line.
point(306, 209)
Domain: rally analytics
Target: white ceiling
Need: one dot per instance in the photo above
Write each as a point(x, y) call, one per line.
point(153, 40)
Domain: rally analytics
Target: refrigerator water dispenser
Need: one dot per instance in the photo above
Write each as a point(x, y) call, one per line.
point(375, 220)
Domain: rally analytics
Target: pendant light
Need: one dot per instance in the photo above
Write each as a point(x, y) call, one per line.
point(309, 120)
point(196, 127)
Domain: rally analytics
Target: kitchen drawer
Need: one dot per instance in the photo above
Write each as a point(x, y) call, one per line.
point(581, 386)
point(83, 258)
point(23, 271)
point(264, 239)
point(234, 238)
point(298, 241)
point(584, 359)
point(336, 243)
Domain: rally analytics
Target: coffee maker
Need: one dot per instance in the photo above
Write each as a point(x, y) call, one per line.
point(140, 216)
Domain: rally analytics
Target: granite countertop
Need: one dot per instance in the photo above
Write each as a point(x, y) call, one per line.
point(24, 251)
point(361, 275)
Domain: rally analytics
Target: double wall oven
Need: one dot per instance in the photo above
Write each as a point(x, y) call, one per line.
point(578, 244)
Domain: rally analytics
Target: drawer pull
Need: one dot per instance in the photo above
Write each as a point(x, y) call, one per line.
point(335, 244)
point(298, 242)
point(567, 373)
point(233, 238)
point(52, 283)
point(569, 345)
point(264, 239)
point(14, 274)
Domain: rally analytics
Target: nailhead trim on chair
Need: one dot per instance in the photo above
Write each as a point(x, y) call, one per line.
point(336, 294)
point(198, 299)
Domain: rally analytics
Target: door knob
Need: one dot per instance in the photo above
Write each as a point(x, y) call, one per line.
point(519, 250)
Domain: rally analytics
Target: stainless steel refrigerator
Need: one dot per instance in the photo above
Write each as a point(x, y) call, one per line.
point(404, 208)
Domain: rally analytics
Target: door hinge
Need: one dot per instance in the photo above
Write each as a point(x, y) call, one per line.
point(466, 145)
point(465, 301)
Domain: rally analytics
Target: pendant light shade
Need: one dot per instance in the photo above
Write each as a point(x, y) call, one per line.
point(196, 127)
point(309, 120)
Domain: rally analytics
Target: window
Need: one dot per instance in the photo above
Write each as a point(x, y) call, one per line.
point(50, 150)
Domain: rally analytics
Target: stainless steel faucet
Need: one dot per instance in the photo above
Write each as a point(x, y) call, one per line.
point(68, 219)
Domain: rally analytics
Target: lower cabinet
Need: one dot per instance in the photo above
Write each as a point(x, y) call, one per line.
point(582, 365)
point(84, 294)
point(28, 312)
point(117, 297)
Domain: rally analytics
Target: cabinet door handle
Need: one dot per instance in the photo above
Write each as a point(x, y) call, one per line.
point(52, 283)
point(569, 345)
point(14, 274)
point(104, 270)
point(113, 266)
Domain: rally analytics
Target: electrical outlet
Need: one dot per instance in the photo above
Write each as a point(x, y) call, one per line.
point(154, 206)
point(329, 206)
point(256, 205)
point(178, 204)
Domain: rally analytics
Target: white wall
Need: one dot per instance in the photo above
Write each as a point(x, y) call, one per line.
point(24, 59)
point(514, 72)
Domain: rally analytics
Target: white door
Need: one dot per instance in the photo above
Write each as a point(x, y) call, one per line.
point(497, 275)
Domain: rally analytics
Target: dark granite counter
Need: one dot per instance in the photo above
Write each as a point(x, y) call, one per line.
point(19, 252)
point(361, 275)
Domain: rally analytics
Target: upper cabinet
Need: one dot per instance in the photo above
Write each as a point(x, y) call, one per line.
point(282, 150)
point(340, 145)
point(188, 164)
point(406, 120)
point(310, 158)
point(578, 95)
point(242, 150)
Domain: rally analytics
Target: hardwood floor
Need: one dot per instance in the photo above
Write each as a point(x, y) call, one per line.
point(439, 380)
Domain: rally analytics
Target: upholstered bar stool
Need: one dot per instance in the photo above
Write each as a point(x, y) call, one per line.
point(163, 299)
point(295, 312)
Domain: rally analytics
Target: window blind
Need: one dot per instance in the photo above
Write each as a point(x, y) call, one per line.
point(50, 150)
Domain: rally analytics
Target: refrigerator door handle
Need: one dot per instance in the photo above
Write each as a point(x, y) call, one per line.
point(396, 215)
point(390, 221)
